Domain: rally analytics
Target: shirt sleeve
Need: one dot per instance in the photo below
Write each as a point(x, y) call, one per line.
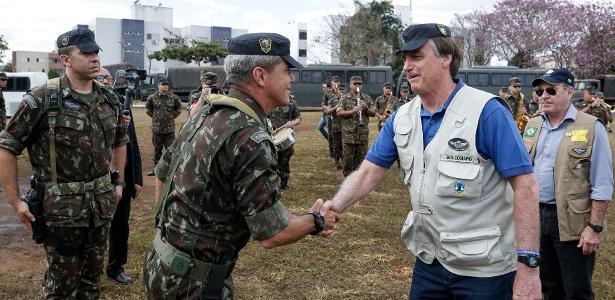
point(499, 140)
point(601, 166)
point(383, 151)
point(16, 136)
point(178, 104)
point(149, 105)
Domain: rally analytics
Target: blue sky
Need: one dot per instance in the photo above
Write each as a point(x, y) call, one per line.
point(34, 24)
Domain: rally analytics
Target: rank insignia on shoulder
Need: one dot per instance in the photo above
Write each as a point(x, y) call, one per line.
point(530, 132)
point(260, 136)
point(459, 188)
point(30, 101)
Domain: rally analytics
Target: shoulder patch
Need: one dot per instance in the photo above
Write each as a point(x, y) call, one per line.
point(30, 101)
point(260, 136)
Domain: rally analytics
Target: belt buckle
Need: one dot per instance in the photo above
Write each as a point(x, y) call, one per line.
point(89, 186)
point(181, 264)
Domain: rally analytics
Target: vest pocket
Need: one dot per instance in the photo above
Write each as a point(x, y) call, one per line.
point(405, 168)
point(579, 210)
point(458, 179)
point(476, 247)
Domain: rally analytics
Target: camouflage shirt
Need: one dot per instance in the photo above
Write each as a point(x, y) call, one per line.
point(326, 98)
point(2, 111)
point(513, 103)
point(240, 198)
point(382, 103)
point(281, 115)
point(336, 122)
point(163, 108)
point(400, 101)
point(600, 112)
point(87, 128)
point(352, 132)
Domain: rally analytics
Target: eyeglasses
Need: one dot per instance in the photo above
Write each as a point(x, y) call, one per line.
point(101, 78)
point(516, 86)
point(550, 90)
point(164, 83)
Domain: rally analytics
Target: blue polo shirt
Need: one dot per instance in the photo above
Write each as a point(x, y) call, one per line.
point(600, 166)
point(497, 138)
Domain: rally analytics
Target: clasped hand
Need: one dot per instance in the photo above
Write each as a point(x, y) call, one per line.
point(331, 217)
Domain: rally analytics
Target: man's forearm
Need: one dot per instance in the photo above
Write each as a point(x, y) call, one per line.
point(358, 184)
point(298, 227)
point(118, 159)
point(8, 176)
point(598, 211)
point(527, 222)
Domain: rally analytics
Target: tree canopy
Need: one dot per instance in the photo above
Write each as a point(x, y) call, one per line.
point(196, 51)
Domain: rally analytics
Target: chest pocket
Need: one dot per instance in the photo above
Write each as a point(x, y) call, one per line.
point(579, 164)
point(69, 129)
point(108, 120)
point(459, 179)
point(401, 139)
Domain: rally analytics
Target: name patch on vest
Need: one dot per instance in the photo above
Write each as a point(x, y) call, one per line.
point(260, 136)
point(459, 158)
point(458, 144)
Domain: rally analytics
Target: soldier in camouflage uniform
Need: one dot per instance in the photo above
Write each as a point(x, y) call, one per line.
point(73, 131)
point(3, 81)
point(404, 97)
point(327, 97)
point(209, 85)
point(383, 103)
point(285, 117)
point(218, 186)
point(515, 96)
point(336, 126)
point(355, 115)
point(163, 107)
point(594, 107)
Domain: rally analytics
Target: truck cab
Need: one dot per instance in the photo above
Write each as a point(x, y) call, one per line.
point(17, 85)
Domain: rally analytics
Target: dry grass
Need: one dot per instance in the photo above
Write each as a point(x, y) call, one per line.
point(364, 259)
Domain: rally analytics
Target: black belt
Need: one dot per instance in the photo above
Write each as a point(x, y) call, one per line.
point(549, 206)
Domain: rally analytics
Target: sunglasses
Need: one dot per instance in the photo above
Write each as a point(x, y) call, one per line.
point(550, 90)
point(516, 86)
point(164, 83)
point(357, 83)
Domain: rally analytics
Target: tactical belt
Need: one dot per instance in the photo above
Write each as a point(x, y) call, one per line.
point(72, 188)
point(181, 264)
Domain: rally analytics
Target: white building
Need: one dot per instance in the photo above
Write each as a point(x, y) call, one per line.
point(30, 61)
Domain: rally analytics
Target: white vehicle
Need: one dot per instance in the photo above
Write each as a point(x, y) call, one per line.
point(17, 85)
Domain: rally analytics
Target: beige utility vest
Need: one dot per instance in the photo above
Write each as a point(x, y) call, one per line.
point(462, 209)
point(572, 162)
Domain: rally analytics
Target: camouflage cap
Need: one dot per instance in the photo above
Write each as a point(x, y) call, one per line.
point(387, 85)
point(335, 78)
point(514, 80)
point(356, 79)
point(82, 38)
point(209, 78)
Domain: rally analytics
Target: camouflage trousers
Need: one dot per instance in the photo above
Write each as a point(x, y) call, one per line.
point(161, 141)
point(330, 139)
point(161, 283)
point(76, 276)
point(284, 163)
point(336, 144)
point(353, 156)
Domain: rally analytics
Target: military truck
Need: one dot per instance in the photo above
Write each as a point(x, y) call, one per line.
point(182, 80)
point(600, 83)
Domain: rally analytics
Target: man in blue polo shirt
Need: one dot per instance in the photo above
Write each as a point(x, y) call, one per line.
point(458, 149)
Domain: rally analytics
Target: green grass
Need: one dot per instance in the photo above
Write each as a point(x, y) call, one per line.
point(364, 259)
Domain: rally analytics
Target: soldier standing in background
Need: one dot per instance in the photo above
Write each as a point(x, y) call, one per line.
point(404, 97)
point(327, 97)
point(209, 85)
point(355, 109)
point(163, 107)
point(384, 104)
point(515, 96)
point(72, 128)
point(336, 126)
point(503, 92)
point(285, 117)
point(591, 106)
point(3, 81)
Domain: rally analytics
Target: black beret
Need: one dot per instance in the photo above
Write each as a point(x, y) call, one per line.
point(263, 44)
point(82, 38)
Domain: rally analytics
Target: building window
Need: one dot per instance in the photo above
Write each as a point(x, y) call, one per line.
point(302, 52)
point(149, 36)
point(302, 35)
point(28, 59)
point(43, 70)
point(37, 61)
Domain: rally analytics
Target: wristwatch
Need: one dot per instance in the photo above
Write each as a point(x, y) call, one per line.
point(319, 223)
point(115, 178)
point(531, 260)
point(596, 228)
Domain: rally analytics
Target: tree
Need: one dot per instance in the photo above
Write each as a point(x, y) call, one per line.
point(476, 43)
point(4, 45)
point(196, 51)
point(596, 49)
point(53, 74)
point(8, 67)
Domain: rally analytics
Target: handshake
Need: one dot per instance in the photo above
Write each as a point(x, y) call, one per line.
point(326, 216)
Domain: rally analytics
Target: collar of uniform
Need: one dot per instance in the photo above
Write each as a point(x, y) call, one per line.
point(571, 114)
point(237, 94)
point(458, 85)
point(66, 90)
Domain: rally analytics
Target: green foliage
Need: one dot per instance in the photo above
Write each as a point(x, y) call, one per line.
point(8, 67)
point(196, 51)
point(4, 45)
point(53, 74)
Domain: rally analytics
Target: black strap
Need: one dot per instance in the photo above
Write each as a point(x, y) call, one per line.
point(214, 285)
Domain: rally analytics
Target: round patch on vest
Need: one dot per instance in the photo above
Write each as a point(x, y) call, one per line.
point(458, 144)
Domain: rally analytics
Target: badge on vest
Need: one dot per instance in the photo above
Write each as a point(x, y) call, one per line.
point(459, 188)
point(458, 144)
point(579, 151)
point(530, 132)
point(72, 105)
point(578, 135)
point(459, 158)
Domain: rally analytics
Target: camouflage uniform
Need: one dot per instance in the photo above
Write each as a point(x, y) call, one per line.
point(164, 108)
point(78, 209)
point(2, 111)
point(279, 117)
point(600, 112)
point(224, 191)
point(513, 103)
point(400, 101)
point(354, 136)
point(381, 105)
point(335, 133)
point(326, 101)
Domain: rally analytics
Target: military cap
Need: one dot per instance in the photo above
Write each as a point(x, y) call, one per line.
point(590, 89)
point(263, 44)
point(555, 76)
point(341, 86)
point(81, 38)
point(3, 76)
point(415, 36)
point(335, 78)
point(405, 88)
point(504, 89)
point(356, 79)
point(163, 81)
point(514, 80)
point(209, 78)
point(387, 85)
